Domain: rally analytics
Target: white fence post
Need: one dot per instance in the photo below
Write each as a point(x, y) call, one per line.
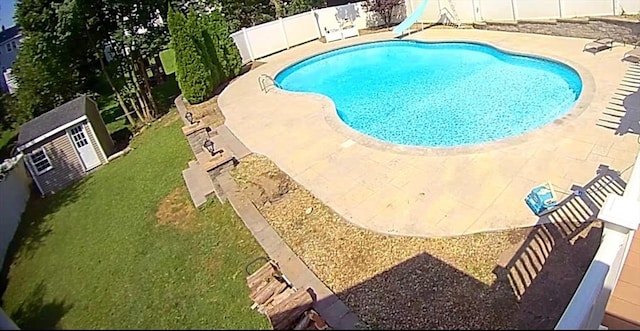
point(473, 5)
point(284, 32)
point(317, 19)
point(560, 7)
point(410, 2)
point(615, 7)
point(246, 40)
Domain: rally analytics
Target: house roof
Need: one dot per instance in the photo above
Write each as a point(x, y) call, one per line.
point(10, 33)
point(53, 120)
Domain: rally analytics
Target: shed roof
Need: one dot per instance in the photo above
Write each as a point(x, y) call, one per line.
point(53, 120)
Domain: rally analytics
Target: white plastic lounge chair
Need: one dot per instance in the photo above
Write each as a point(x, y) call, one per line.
point(599, 44)
point(634, 53)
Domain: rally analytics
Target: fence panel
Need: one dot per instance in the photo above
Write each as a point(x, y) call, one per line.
point(14, 193)
point(241, 43)
point(577, 8)
point(265, 39)
point(527, 9)
point(629, 6)
point(464, 9)
point(496, 10)
point(431, 13)
point(301, 28)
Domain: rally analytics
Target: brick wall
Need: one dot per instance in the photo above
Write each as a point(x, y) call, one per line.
point(621, 29)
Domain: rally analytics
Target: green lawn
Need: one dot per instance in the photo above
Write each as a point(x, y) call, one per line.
point(8, 138)
point(168, 59)
point(97, 256)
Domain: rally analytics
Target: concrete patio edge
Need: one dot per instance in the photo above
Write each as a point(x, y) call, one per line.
point(326, 303)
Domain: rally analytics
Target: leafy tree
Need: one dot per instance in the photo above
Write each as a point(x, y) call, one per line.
point(241, 14)
point(52, 63)
point(384, 8)
point(7, 110)
point(300, 6)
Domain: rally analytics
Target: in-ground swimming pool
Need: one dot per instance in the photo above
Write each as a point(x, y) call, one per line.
point(437, 94)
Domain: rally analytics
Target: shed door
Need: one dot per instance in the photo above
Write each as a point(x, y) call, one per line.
point(84, 147)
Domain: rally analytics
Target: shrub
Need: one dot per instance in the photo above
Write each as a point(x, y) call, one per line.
point(192, 74)
point(226, 51)
point(384, 8)
point(205, 53)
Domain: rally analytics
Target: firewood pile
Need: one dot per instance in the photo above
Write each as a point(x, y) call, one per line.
point(286, 307)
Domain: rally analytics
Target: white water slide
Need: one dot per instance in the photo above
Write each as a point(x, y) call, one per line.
point(406, 24)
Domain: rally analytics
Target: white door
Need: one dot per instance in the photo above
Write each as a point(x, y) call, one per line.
point(84, 147)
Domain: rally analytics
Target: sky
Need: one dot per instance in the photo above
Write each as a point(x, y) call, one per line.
point(7, 8)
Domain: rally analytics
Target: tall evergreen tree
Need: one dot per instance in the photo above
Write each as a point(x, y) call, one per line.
point(192, 74)
point(227, 52)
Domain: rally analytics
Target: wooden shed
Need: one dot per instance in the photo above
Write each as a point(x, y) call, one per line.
point(64, 144)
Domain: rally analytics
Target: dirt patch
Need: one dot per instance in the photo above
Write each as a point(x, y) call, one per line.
point(400, 282)
point(208, 108)
point(373, 30)
point(177, 210)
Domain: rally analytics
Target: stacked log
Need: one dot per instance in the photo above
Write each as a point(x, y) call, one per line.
point(285, 307)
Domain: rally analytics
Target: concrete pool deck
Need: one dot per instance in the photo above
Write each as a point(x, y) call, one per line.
point(436, 192)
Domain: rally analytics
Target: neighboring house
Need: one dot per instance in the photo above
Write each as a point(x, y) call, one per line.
point(64, 144)
point(10, 40)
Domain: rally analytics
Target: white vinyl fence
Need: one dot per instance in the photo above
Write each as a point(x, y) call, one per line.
point(271, 37)
point(268, 38)
point(14, 193)
point(469, 11)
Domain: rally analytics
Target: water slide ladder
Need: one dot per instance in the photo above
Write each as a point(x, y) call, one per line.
point(455, 18)
point(405, 25)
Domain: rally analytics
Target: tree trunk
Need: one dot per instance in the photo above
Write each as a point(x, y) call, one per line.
point(145, 79)
point(123, 105)
point(103, 67)
point(135, 108)
point(133, 76)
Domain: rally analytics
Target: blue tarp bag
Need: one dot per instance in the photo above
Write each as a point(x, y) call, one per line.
point(542, 199)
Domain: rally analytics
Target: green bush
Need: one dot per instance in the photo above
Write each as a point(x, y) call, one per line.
point(227, 52)
point(205, 54)
point(192, 74)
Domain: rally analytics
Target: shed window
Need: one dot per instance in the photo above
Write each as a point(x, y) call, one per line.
point(40, 161)
point(8, 47)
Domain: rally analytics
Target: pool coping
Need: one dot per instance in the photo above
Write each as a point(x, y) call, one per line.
point(330, 113)
point(435, 194)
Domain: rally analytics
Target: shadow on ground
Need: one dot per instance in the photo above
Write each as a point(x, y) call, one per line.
point(622, 114)
point(534, 281)
point(33, 230)
point(37, 313)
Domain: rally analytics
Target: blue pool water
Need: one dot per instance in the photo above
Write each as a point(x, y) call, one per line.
point(437, 94)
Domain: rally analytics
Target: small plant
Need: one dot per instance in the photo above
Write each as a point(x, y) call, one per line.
point(384, 8)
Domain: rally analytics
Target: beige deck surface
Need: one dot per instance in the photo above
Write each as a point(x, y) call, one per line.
point(434, 192)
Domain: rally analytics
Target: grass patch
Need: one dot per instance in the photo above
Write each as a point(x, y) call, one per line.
point(168, 59)
point(112, 253)
point(8, 140)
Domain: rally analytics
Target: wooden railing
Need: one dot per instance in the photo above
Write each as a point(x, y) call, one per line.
point(621, 215)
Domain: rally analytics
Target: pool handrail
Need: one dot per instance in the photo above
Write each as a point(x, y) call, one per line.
point(261, 82)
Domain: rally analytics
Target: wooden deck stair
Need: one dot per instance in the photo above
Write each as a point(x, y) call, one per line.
point(623, 308)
